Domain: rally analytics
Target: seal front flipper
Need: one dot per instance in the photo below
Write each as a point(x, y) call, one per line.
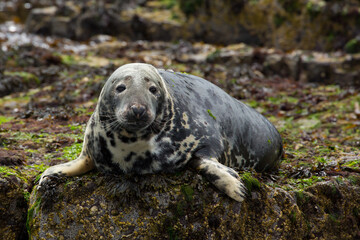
point(79, 166)
point(224, 178)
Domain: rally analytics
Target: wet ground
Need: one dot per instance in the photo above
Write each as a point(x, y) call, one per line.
point(50, 86)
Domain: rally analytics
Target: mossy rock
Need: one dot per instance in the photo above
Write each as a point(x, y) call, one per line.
point(13, 207)
point(185, 206)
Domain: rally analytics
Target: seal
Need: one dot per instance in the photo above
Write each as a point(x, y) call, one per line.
point(149, 120)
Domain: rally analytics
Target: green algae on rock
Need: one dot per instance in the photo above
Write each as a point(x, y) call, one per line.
point(86, 208)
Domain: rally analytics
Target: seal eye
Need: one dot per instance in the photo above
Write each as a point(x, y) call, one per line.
point(120, 88)
point(153, 89)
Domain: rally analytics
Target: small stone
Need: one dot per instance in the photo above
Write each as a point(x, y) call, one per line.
point(93, 210)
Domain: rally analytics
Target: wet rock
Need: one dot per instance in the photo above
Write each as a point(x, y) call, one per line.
point(187, 207)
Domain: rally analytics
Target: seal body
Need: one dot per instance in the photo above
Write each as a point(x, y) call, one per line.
point(149, 120)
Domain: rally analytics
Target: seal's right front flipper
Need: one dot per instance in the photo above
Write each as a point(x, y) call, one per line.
point(79, 166)
point(224, 178)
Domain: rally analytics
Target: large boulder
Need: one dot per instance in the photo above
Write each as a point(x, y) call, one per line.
point(184, 206)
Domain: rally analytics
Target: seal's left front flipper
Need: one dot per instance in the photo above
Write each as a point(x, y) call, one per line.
point(224, 178)
point(79, 166)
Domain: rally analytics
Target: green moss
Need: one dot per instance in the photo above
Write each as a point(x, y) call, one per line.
point(354, 179)
point(279, 20)
point(291, 6)
point(303, 182)
point(214, 55)
point(37, 179)
point(314, 8)
point(28, 77)
point(252, 103)
point(188, 192)
point(300, 197)
point(38, 167)
point(7, 171)
point(26, 195)
point(333, 217)
point(292, 217)
point(169, 3)
point(73, 151)
point(4, 119)
point(76, 127)
point(83, 110)
point(356, 212)
point(68, 183)
point(190, 7)
point(180, 208)
point(354, 164)
point(30, 214)
point(172, 233)
point(36, 137)
point(352, 46)
point(68, 59)
point(211, 115)
point(250, 182)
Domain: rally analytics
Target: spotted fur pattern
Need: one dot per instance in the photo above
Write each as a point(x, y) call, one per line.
point(187, 120)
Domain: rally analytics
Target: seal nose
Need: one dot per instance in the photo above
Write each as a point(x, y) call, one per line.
point(138, 110)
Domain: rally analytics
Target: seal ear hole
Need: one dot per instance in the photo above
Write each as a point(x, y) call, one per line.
point(153, 90)
point(120, 88)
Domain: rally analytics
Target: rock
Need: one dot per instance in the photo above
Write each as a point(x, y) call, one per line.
point(353, 45)
point(185, 206)
point(275, 64)
point(233, 54)
point(2, 62)
point(206, 22)
point(317, 71)
point(286, 25)
point(97, 20)
point(346, 78)
point(40, 19)
point(331, 210)
point(13, 207)
point(293, 62)
point(62, 27)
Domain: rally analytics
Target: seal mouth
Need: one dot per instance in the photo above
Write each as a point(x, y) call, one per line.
point(133, 123)
point(134, 126)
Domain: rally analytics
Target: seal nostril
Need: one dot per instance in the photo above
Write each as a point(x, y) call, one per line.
point(138, 110)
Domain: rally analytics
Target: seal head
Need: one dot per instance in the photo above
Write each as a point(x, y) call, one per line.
point(132, 98)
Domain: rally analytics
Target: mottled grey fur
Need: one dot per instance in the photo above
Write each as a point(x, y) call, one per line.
point(149, 121)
